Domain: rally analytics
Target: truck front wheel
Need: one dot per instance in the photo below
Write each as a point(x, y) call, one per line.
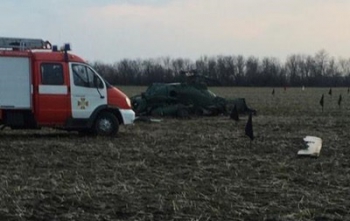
point(106, 124)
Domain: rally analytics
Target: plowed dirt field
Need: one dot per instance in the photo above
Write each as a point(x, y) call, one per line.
point(194, 169)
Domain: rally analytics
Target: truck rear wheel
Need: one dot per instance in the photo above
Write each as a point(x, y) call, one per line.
point(106, 124)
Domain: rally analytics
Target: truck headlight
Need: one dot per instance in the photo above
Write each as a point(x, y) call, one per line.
point(128, 102)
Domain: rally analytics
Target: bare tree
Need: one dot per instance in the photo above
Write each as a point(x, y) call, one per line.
point(317, 70)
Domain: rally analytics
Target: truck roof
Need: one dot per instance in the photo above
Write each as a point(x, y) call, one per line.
point(56, 56)
point(42, 55)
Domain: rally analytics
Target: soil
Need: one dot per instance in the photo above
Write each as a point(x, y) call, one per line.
point(193, 169)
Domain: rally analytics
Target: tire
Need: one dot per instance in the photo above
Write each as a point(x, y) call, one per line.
point(106, 124)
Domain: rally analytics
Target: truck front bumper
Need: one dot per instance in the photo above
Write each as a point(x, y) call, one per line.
point(128, 116)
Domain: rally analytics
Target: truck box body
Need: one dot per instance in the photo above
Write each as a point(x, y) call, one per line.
point(58, 89)
point(15, 83)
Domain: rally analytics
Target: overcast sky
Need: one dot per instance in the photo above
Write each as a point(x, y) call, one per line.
point(110, 30)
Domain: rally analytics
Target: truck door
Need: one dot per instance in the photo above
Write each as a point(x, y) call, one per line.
point(52, 101)
point(88, 90)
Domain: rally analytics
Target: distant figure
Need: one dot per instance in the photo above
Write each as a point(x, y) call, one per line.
point(249, 128)
point(303, 88)
point(339, 100)
point(322, 101)
point(234, 114)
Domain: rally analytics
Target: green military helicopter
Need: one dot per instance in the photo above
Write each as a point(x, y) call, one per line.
point(183, 99)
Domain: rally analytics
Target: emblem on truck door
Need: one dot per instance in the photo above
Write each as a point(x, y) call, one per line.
point(82, 103)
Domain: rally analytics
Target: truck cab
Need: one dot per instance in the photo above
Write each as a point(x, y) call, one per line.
point(41, 86)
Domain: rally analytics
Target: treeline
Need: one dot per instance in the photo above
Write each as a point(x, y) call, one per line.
point(319, 70)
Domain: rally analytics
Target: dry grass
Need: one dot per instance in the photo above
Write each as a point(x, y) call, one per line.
point(196, 169)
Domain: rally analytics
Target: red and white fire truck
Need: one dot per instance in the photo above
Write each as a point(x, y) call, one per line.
point(41, 86)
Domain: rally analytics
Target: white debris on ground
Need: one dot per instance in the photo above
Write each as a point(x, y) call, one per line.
point(313, 146)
